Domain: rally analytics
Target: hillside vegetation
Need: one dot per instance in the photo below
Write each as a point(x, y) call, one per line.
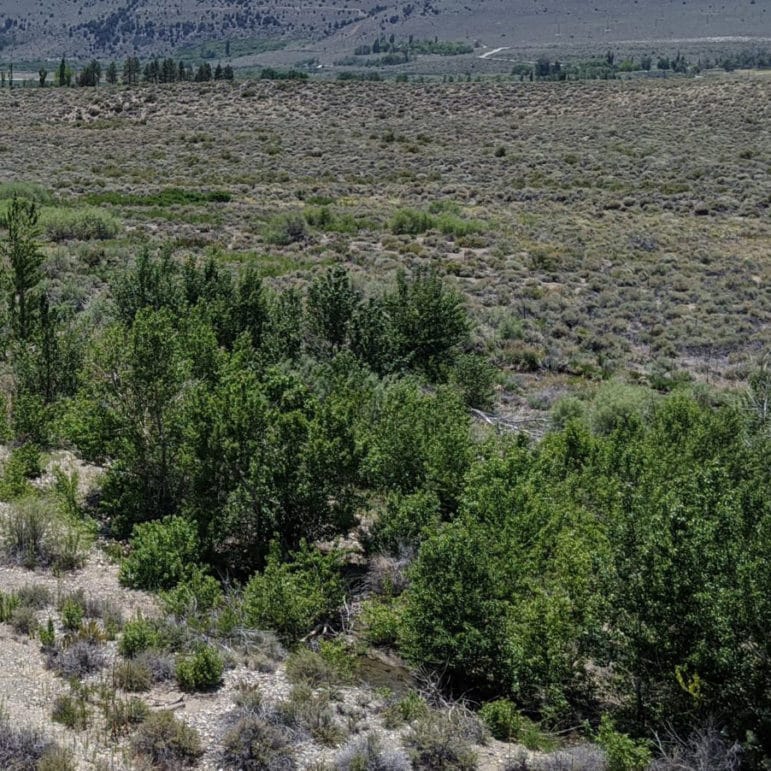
point(427, 425)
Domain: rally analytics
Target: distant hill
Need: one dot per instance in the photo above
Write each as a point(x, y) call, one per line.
point(35, 29)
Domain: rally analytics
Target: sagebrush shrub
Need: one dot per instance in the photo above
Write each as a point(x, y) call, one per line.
point(252, 744)
point(77, 660)
point(132, 675)
point(367, 753)
point(167, 742)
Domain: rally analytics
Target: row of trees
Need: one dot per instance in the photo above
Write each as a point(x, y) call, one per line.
point(132, 73)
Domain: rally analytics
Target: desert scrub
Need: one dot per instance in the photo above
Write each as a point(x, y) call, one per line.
point(82, 224)
point(34, 537)
point(71, 709)
point(253, 744)
point(507, 724)
point(76, 660)
point(440, 741)
point(310, 713)
point(412, 706)
point(368, 751)
point(123, 715)
point(167, 742)
point(132, 675)
point(27, 749)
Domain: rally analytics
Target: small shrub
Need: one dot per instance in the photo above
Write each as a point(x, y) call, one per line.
point(253, 744)
point(24, 620)
point(367, 753)
point(56, 759)
point(71, 710)
point(162, 554)
point(27, 749)
point(435, 742)
point(704, 748)
point(248, 699)
point(507, 724)
point(91, 631)
point(47, 634)
point(410, 707)
point(167, 742)
point(160, 665)
point(582, 757)
point(77, 660)
point(132, 675)
point(194, 597)
point(26, 529)
point(285, 229)
point(411, 222)
point(623, 752)
point(121, 715)
point(110, 614)
point(307, 666)
point(34, 596)
point(138, 635)
point(310, 712)
point(201, 670)
point(82, 224)
point(72, 614)
point(8, 604)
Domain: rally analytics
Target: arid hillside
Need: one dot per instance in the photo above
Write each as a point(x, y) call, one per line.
point(31, 30)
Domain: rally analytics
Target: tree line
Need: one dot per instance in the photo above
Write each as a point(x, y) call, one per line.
point(132, 72)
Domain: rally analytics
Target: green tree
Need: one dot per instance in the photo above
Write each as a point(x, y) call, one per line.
point(428, 321)
point(23, 257)
point(131, 410)
point(331, 304)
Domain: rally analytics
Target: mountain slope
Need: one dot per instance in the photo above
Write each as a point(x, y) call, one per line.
point(111, 28)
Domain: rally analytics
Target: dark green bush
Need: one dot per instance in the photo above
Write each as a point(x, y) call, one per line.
point(200, 670)
point(290, 597)
point(162, 554)
point(623, 753)
point(139, 634)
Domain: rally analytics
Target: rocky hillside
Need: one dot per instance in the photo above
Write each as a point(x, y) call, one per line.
point(112, 28)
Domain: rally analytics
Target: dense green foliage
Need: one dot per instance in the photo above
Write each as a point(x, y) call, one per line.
point(614, 573)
